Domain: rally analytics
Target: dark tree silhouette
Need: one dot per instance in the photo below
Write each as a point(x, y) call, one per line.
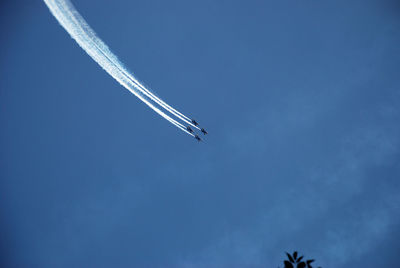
point(294, 262)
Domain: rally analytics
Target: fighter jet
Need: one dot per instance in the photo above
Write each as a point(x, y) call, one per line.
point(189, 129)
point(197, 138)
point(194, 122)
point(204, 131)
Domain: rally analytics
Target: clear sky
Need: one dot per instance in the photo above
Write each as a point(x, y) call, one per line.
point(301, 100)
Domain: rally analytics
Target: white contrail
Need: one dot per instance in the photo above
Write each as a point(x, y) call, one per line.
point(80, 22)
point(110, 66)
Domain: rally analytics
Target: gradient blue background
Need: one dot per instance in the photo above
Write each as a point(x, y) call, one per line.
point(302, 103)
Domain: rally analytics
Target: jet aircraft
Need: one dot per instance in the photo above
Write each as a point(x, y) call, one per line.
point(197, 137)
point(204, 131)
point(194, 122)
point(189, 129)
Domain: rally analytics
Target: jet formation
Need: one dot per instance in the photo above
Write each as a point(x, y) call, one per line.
point(191, 131)
point(85, 36)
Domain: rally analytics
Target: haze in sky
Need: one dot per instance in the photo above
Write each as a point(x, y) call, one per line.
point(302, 103)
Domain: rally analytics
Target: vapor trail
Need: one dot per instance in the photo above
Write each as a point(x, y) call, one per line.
point(80, 22)
point(62, 10)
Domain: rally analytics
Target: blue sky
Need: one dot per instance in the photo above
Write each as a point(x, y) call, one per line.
point(302, 103)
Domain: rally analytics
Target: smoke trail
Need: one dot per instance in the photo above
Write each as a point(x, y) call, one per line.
point(57, 8)
point(80, 22)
